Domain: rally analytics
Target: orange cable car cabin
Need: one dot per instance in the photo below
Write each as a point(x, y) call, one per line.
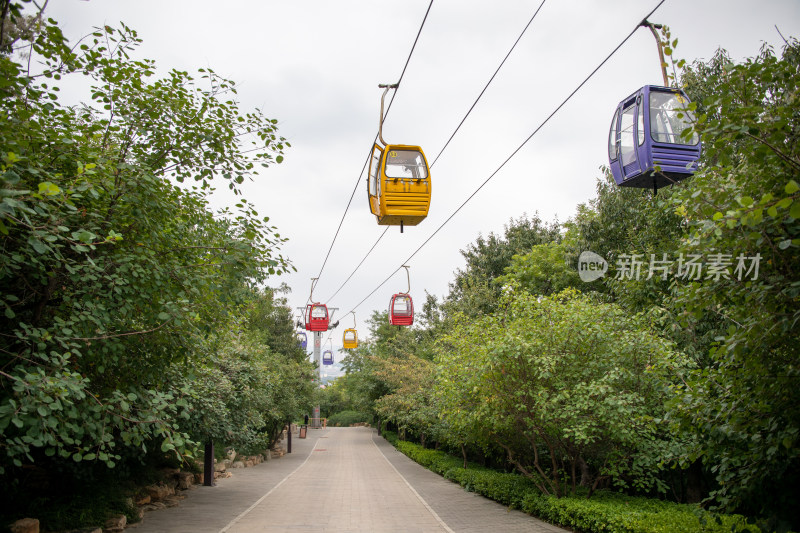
point(316, 317)
point(399, 185)
point(401, 310)
point(399, 180)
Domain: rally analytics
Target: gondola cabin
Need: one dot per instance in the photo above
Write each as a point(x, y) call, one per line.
point(399, 185)
point(646, 133)
point(327, 357)
point(350, 339)
point(302, 339)
point(401, 310)
point(316, 317)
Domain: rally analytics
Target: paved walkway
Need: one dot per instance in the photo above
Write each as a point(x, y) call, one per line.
point(338, 480)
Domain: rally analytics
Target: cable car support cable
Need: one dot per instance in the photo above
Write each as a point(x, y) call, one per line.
point(464, 118)
point(489, 82)
point(493, 174)
point(358, 181)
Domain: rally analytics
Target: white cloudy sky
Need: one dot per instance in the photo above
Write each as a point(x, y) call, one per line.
point(315, 66)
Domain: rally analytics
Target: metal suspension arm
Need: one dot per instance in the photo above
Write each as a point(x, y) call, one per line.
point(385, 88)
point(653, 28)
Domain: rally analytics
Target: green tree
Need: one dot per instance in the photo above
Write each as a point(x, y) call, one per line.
point(570, 387)
point(545, 270)
point(472, 291)
point(743, 210)
point(111, 274)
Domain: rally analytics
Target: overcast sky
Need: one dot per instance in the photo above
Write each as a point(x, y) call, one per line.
point(315, 66)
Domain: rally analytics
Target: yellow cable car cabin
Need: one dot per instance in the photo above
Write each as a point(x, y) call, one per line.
point(399, 185)
point(350, 339)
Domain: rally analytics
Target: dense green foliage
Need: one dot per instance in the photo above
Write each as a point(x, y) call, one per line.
point(347, 418)
point(132, 322)
point(745, 203)
point(676, 381)
point(566, 385)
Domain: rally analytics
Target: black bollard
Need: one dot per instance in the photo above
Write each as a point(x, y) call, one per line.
point(208, 465)
point(289, 439)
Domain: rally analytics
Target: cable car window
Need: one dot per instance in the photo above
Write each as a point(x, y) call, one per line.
point(640, 121)
point(408, 164)
point(402, 306)
point(318, 312)
point(665, 124)
point(612, 138)
point(626, 136)
point(374, 166)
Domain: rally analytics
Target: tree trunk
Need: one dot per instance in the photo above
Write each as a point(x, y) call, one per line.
point(586, 476)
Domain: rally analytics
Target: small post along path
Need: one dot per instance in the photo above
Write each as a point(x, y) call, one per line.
point(338, 480)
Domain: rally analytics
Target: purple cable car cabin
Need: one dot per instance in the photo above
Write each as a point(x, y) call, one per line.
point(646, 132)
point(401, 310)
point(327, 357)
point(302, 339)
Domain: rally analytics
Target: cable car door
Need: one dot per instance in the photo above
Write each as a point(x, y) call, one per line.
point(628, 147)
point(374, 181)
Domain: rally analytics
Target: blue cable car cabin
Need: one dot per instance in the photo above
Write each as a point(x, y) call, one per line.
point(327, 357)
point(316, 317)
point(302, 339)
point(646, 133)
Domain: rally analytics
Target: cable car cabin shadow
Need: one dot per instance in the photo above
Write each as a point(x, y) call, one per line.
point(316, 317)
point(350, 339)
point(401, 310)
point(399, 185)
point(646, 133)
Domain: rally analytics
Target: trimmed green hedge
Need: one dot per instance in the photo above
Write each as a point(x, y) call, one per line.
point(604, 512)
point(345, 418)
point(610, 511)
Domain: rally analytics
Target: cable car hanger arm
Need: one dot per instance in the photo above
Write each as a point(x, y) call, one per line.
point(653, 28)
point(385, 88)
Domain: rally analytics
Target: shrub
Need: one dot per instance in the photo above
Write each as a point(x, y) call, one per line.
point(605, 512)
point(345, 418)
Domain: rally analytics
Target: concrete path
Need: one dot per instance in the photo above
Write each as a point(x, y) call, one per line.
point(338, 480)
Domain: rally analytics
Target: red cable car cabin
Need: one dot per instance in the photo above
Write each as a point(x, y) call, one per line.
point(316, 317)
point(401, 310)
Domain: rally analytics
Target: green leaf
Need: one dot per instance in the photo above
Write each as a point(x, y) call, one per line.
point(792, 187)
point(794, 212)
point(48, 189)
point(38, 245)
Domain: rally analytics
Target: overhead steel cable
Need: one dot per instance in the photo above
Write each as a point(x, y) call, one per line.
point(489, 82)
point(358, 266)
point(493, 174)
point(355, 188)
point(469, 111)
